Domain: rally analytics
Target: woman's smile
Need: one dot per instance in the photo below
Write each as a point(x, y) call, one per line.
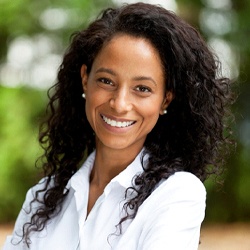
point(119, 123)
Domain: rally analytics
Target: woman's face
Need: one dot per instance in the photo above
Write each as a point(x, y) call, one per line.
point(125, 92)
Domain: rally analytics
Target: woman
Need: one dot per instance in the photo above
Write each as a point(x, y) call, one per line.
point(151, 124)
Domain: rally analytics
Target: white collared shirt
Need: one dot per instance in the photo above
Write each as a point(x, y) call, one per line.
point(170, 218)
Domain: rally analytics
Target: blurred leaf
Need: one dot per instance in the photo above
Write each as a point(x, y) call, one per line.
point(19, 113)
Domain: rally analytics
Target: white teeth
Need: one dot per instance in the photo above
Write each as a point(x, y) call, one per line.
point(114, 123)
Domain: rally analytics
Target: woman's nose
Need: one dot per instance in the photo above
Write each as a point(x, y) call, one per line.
point(121, 101)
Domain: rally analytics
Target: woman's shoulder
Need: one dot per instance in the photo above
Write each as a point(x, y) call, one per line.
point(29, 206)
point(182, 185)
point(184, 178)
point(40, 188)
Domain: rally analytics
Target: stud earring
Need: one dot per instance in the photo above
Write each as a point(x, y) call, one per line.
point(83, 95)
point(165, 111)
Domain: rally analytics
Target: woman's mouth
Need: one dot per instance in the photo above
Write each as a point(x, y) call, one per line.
point(118, 124)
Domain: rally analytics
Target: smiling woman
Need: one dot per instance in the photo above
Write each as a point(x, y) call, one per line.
point(151, 125)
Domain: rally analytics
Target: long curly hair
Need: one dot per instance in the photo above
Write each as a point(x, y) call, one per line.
point(192, 137)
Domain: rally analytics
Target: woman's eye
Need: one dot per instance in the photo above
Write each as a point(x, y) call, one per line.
point(143, 89)
point(105, 81)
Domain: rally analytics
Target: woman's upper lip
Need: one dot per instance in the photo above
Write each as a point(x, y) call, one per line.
point(118, 119)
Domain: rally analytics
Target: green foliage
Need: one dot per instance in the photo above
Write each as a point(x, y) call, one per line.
point(23, 17)
point(231, 201)
point(20, 110)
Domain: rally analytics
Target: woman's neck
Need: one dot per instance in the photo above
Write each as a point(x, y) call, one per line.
point(110, 162)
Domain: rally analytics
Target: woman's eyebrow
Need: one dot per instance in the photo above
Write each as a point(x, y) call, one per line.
point(144, 78)
point(137, 78)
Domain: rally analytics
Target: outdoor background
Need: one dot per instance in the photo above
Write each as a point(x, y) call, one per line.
point(33, 37)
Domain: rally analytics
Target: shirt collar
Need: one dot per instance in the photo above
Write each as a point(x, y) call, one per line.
point(81, 177)
point(125, 178)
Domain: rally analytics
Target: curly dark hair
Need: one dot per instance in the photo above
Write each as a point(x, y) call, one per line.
point(192, 137)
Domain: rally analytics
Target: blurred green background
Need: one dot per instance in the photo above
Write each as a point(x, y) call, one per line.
point(33, 37)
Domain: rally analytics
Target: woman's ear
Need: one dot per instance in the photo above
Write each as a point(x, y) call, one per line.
point(167, 100)
point(84, 77)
